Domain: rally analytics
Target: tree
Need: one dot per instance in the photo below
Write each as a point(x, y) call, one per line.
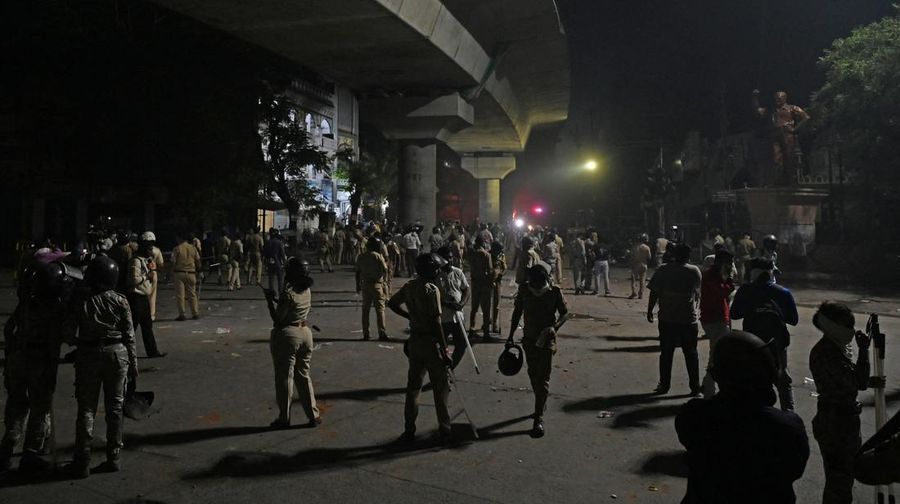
point(372, 174)
point(858, 109)
point(288, 153)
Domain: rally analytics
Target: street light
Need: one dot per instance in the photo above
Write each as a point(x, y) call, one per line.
point(590, 165)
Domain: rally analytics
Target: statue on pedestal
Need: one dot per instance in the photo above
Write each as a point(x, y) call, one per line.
point(784, 121)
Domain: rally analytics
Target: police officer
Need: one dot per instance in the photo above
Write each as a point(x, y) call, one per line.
point(223, 244)
point(235, 257)
point(836, 425)
point(427, 346)
point(498, 260)
point(105, 357)
point(324, 247)
point(482, 270)
point(744, 250)
point(540, 302)
point(275, 258)
point(371, 282)
point(33, 336)
point(253, 246)
point(640, 260)
point(292, 343)
point(186, 265)
point(139, 285)
point(455, 292)
point(526, 259)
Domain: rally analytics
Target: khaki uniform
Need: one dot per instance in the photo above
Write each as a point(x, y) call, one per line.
point(423, 301)
point(482, 287)
point(640, 260)
point(372, 271)
point(499, 265)
point(186, 264)
point(743, 252)
point(223, 244)
point(158, 265)
point(324, 251)
point(235, 255)
point(526, 261)
point(339, 238)
point(105, 351)
point(291, 346)
point(540, 312)
point(253, 246)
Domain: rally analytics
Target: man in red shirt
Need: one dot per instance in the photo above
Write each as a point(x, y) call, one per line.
point(715, 293)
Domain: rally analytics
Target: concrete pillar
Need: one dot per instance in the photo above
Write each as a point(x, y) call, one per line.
point(489, 169)
point(418, 183)
point(489, 200)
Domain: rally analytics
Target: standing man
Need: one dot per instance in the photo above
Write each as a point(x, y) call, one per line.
point(836, 425)
point(411, 244)
point(767, 309)
point(661, 245)
point(715, 293)
point(275, 259)
point(324, 246)
point(640, 260)
point(436, 240)
point(186, 265)
point(454, 294)
point(498, 260)
point(426, 347)
point(339, 238)
point(371, 282)
point(139, 284)
point(158, 264)
point(676, 286)
point(551, 256)
point(601, 268)
point(105, 356)
point(744, 250)
point(235, 255)
point(254, 248)
point(577, 258)
point(544, 306)
point(221, 250)
point(526, 259)
point(482, 269)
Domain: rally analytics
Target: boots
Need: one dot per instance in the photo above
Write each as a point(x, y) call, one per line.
point(80, 468)
point(31, 462)
point(112, 463)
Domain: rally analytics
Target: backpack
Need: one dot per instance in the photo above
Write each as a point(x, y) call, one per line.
point(766, 321)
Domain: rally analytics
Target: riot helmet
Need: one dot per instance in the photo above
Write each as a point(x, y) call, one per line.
point(510, 361)
point(429, 265)
point(373, 245)
point(102, 274)
point(743, 362)
point(770, 243)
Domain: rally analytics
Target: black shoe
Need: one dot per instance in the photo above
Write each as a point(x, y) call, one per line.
point(407, 437)
point(696, 391)
point(632, 296)
point(180, 318)
point(110, 466)
point(157, 355)
point(32, 463)
point(537, 429)
point(195, 317)
point(444, 438)
point(384, 337)
point(79, 469)
point(366, 337)
point(495, 330)
point(315, 422)
point(487, 338)
point(661, 389)
point(279, 424)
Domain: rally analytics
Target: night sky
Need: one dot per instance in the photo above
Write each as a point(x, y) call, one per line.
point(645, 72)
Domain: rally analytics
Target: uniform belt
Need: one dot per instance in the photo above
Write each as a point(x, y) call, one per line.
point(99, 343)
point(299, 323)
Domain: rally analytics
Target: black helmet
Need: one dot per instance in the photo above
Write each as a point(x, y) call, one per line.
point(643, 238)
point(742, 361)
point(374, 244)
point(102, 274)
point(48, 279)
point(296, 272)
point(770, 242)
point(510, 361)
point(428, 265)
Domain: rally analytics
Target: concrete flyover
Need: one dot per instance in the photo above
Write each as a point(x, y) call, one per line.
point(478, 75)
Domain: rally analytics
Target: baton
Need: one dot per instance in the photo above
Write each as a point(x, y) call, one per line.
point(471, 350)
point(462, 403)
point(873, 328)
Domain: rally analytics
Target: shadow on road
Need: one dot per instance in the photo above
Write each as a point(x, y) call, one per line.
point(605, 403)
point(642, 417)
point(669, 463)
point(630, 349)
point(190, 436)
point(371, 394)
point(630, 338)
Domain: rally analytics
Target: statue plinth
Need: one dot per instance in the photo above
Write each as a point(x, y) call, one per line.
point(789, 213)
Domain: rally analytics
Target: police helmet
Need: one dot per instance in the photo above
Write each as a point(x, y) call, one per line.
point(148, 236)
point(742, 361)
point(770, 242)
point(428, 265)
point(102, 273)
point(644, 238)
point(510, 361)
point(48, 279)
point(373, 245)
point(296, 267)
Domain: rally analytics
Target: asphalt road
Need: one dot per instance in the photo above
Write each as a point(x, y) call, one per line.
point(207, 439)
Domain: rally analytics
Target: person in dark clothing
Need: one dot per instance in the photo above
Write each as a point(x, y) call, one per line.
point(836, 425)
point(739, 448)
point(767, 309)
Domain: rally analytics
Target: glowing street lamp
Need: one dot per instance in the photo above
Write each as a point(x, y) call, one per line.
point(520, 223)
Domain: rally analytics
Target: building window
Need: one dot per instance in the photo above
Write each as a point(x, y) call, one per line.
point(326, 128)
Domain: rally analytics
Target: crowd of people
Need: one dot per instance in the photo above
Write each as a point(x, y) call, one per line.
point(98, 295)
